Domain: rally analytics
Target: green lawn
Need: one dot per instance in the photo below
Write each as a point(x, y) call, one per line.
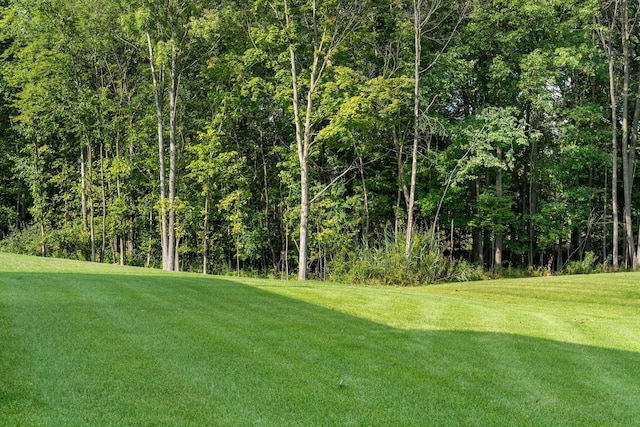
point(87, 344)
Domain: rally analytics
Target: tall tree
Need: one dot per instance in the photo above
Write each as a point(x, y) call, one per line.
point(618, 20)
point(428, 19)
point(314, 32)
point(169, 36)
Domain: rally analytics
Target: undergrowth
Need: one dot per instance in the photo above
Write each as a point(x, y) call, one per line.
point(385, 263)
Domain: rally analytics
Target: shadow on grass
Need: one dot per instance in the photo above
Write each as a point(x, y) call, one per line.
point(80, 349)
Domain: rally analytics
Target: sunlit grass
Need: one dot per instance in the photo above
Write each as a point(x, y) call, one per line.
point(87, 344)
point(564, 308)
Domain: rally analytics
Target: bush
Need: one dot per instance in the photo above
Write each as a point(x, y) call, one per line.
point(72, 242)
point(386, 263)
point(586, 266)
point(25, 242)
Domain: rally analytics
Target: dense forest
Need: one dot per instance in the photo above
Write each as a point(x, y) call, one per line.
point(383, 140)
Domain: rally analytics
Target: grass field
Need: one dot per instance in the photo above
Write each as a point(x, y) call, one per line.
point(87, 344)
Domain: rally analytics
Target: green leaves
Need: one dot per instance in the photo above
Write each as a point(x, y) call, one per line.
point(518, 95)
point(488, 140)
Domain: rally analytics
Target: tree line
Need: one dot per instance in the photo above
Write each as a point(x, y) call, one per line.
point(308, 136)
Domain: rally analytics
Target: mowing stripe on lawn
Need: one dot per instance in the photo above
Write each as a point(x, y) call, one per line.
point(85, 344)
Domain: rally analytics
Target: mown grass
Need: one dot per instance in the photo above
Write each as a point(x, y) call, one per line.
point(86, 344)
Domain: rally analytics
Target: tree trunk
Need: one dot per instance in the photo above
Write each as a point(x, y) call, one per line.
point(477, 234)
point(403, 191)
point(83, 190)
point(173, 100)
point(402, 183)
point(205, 234)
point(92, 223)
point(627, 166)
point(39, 196)
point(164, 236)
point(324, 44)
point(303, 143)
point(559, 261)
point(365, 196)
point(614, 167)
point(304, 219)
point(605, 226)
point(498, 236)
point(150, 240)
point(104, 204)
point(267, 203)
point(632, 161)
point(176, 256)
point(416, 122)
point(122, 249)
point(612, 26)
point(533, 202)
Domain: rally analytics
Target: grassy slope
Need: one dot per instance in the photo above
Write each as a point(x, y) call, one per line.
point(86, 344)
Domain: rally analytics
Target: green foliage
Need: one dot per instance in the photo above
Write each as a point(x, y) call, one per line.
point(27, 241)
point(71, 242)
point(386, 263)
point(588, 265)
point(514, 141)
point(494, 213)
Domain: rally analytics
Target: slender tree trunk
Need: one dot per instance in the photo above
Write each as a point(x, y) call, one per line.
point(498, 235)
point(83, 190)
point(173, 101)
point(92, 223)
point(302, 159)
point(324, 44)
point(286, 251)
point(614, 166)
point(131, 234)
point(43, 245)
point(637, 260)
point(402, 184)
point(303, 142)
point(39, 196)
point(205, 237)
point(533, 201)
point(303, 154)
point(150, 240)
point(122, 249)
point(416, 122)
point(478, 235)
point(164, 236)
point(176, 256)
point(365, 198)
point(304, 218)
point(632, 161)
point(605, 226)
point(627, 166)
point(559, 261)
point(607, 41)
point(451, 241)
point(238, 258)
point(267, 203)
point(104, 205)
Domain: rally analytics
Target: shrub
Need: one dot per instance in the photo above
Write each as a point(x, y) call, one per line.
point(586, 266)
point(386, 263)
point(71, 242)
point(26, 241)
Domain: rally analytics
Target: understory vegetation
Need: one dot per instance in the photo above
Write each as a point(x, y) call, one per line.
point(387, 263)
